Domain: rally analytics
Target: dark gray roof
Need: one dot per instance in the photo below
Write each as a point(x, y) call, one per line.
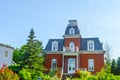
point(83, 45)
point(97, 44)
point(75, 27)
point(60, 44)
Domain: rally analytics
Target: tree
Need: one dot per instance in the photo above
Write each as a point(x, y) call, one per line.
point(118, 62)
point(113, 66)
point(108, 54)
point(32, 56)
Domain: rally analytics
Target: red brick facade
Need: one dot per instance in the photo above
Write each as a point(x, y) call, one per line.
point(73, 48)
point(75, 40)
point(98, 61)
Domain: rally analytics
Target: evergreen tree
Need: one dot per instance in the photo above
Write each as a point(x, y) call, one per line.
point(113, 66)
point(118, 62)
point(32, 56)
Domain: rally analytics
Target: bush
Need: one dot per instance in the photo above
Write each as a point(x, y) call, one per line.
point(7, 74)
point(25, 74)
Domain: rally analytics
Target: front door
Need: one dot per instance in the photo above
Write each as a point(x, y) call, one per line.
point(71, 65)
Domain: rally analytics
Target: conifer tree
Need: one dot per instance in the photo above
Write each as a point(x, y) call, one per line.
point(113, 66)
point(32, 56)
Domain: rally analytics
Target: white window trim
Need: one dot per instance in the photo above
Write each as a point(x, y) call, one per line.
point(89, 65)
point(71, 30)
point(72, 43)
point(52, 63)
point(88, 42)
point(6, 53)
point(54, 43)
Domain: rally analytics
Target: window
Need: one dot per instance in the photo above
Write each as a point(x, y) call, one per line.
point(6, 53)
point(90, 64)
point(72, 31)
point(54, 46)
point(71, 46)
point(54, 64)
point(90, 45)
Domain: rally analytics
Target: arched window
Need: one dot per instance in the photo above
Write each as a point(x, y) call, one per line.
point(71, 46)
point(54, 46)
point(90, 45)
point(72, 31)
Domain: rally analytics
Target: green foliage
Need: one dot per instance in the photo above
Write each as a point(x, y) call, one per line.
point(115, 67)
point(102, 75)
point(15, 68)
point(118, 62)
point(25, 74)
point(51, 73)
point(7, 74)
point(30, 58)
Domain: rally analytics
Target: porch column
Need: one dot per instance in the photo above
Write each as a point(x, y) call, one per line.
point(63, 64)
point(77, 62)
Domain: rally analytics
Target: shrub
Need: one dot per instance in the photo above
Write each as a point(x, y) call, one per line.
point(7, 74)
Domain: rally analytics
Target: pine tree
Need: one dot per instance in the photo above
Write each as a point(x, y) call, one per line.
point(118, 62)
point(113, 66)
point(32, 56)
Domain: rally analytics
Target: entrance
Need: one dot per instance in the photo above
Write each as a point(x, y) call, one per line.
point(71, 65)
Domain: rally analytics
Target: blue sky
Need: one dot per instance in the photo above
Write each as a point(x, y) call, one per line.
point(49, 18)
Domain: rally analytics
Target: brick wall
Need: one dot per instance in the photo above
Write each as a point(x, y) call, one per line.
point(98, 61)
point(75, 40)
point(49, 57)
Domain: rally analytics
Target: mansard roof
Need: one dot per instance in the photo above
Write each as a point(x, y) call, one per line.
point(83, 45)
point(72, 24)
point(97, 44)
point(60, 44)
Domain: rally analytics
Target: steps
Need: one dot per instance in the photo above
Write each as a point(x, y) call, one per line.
point(65, 75)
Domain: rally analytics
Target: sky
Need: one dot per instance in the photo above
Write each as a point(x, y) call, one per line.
point(49, 19)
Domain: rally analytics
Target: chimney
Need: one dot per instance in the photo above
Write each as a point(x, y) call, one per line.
point(72, 23)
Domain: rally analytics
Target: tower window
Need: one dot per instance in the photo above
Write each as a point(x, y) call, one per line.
point(72, 31)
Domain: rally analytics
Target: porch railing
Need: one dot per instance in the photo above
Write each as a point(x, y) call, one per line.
point(67, 49)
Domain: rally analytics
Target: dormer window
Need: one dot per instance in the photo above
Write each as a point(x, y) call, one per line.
point(54, 46)
point(72, 31)
point(90, 45)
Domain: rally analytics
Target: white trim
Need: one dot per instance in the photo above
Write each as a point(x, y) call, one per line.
point(70, 54)
point(72, 36)
point(77, 61)
point(91, 65)
point(72, 46)
point(90, 45)
point(53, 60)
point(93, 52)
point(72, 66)
point(62, 63)
point(54, 45)
point(53, 52)
point(71, 31)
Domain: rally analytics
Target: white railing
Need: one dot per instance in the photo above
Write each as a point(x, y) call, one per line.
point(67, 49)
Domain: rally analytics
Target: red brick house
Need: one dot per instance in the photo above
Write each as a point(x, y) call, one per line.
point(74, 52)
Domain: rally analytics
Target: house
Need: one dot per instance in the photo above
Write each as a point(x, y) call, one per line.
point(74, 52)
point(6, 54)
